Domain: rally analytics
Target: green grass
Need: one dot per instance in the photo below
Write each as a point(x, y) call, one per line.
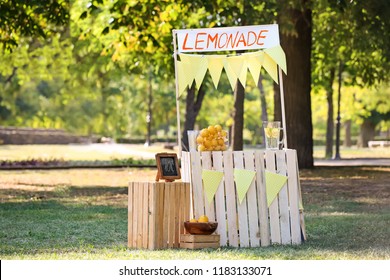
point(82, 214)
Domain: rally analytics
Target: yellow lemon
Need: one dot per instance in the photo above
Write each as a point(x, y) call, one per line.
point(211, 129)
point(203, 219)
point(218, 127)
point(201, 148)
point(204, 133)
point(193, 221)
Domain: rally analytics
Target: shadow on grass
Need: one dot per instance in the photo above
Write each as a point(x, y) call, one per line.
point(48, 226)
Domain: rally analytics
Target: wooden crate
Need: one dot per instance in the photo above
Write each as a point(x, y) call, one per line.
point(156, 214)
point(251, 223)
point(189, 241)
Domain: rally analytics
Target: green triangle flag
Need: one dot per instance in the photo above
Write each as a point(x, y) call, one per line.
point(243, 179)
point(273, 184)
point(211, 181)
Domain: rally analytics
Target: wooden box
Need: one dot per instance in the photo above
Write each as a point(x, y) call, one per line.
point(189, 241)
point(156, 214)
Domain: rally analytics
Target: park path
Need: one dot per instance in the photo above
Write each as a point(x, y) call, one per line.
point(353, 162)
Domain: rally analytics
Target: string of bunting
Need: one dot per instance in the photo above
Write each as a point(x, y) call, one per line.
point(192, 67)
point(243, 178)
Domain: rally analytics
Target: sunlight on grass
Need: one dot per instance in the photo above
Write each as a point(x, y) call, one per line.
point(82, 214)
point(80, 152)
point(354, 152)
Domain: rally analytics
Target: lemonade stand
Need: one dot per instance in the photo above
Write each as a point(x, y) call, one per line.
point(253, 195)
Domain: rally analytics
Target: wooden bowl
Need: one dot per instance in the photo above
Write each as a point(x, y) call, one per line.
point(200, 228)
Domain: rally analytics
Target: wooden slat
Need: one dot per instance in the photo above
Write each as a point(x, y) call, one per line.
point(152, 216)
point(182, 208)
point(274, 207)
point(187, 201)
point(242, 207)
point(186, 167)
point(145, 215)
point(165, 222)
point(231, 205)
point(285, 230)
point(199, 245)
point(171, 216)
point(130, 216)
point(140, 214)
point(262, 199)
point(159, 213)
point(293, 197)
point(220, 205)
point(209, 206)
point(197, 184)
point(135, 214)
point(252, 200)
point(178, 201)
point(199, 238)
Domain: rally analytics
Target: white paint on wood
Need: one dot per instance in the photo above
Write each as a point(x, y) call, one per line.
point(242, 207)
point(283, 200)
point(220, 200)
point(274, 207)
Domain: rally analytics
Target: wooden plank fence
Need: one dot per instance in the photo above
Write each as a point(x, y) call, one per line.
point(250, 223)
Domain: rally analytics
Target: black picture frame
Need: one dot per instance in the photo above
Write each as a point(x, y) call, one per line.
point(167, 166)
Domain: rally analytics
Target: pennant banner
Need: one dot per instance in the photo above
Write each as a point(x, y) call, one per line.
point(243, 179)
point(193, 67)
point(211, 180)
point(273, 184)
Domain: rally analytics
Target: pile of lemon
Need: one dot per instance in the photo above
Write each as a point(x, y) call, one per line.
point(212, 138)
point(202, 219)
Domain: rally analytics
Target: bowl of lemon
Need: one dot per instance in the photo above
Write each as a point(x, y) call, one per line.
point(201, 226)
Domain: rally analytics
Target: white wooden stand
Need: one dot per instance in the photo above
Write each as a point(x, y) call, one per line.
point(251, 223)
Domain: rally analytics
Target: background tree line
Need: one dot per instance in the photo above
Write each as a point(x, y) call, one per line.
point(106, 67)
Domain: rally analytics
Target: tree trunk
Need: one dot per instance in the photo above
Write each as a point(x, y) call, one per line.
point(347, 139)
point(298, 81)
point(238, 117)
point(192, 110)
point(330, 117)
point(367, 133)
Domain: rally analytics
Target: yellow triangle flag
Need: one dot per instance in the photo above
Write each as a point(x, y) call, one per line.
point(278, 55)
point(233, 66)
point(181, 77)
point(201, 66)
point(215, 66)
point(243, 179)
point(254, 62)
point(271, 67)
point(243, 74)
point(189, 69)
point(211, 181)
point(273, 184)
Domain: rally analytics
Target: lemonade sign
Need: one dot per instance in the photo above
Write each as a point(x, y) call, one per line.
point(228, 38)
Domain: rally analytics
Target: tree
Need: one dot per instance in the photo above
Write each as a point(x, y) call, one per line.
point(358, 43)
point(34, 18)
point(296, 37)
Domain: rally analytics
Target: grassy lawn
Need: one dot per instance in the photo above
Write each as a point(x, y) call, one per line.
point(82, 214)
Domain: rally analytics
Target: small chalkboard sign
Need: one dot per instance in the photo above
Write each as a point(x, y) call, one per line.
point(167, 167)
